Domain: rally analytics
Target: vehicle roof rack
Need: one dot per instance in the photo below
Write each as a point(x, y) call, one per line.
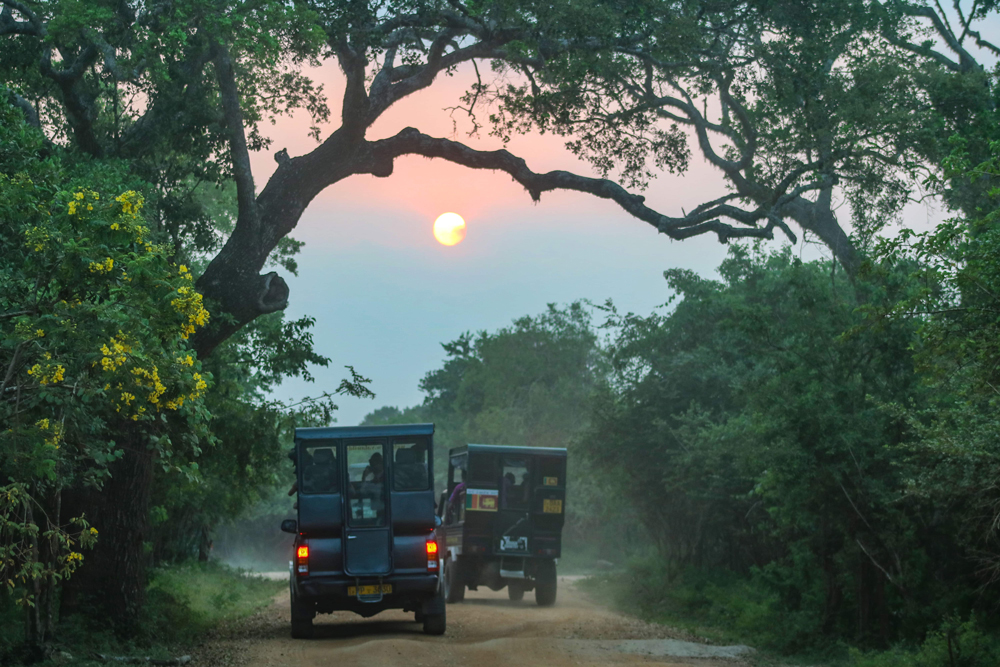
point(334, 432)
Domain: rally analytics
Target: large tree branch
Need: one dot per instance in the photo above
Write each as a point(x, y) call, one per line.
point(412, 142)
point(80, 105)
point(423, 76)
point(9, 26)
point(246, 195)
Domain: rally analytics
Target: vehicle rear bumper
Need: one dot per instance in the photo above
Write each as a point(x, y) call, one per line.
point(329, 593)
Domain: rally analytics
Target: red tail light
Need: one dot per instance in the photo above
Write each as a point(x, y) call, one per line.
point(302, 559)
point(432, 555)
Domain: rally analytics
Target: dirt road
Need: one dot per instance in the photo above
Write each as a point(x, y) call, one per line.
point(487, 630)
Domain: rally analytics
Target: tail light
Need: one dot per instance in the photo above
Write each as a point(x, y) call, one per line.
point(302, 559)
point(432, 555)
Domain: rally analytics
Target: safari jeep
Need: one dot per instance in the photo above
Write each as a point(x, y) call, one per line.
point(364, 538)
point(503, 514)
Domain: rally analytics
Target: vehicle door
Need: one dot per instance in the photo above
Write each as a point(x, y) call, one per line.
point(512, 526)
point(412, 499)
point(319, 503)
point(367, 526)
point(454, 499)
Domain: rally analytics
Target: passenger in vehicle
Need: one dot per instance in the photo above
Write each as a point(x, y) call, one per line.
point(456, 500)
point(411, 468)
point(375, 471)
point(507, 486)
point(320, 475)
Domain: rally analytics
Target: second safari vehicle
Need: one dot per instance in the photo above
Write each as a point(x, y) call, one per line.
point(503, 513)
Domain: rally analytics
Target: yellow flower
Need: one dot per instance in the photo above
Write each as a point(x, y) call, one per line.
point(102, 267)
point(47, 374)
point(39, 333)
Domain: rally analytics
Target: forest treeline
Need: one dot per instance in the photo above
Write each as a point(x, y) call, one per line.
point(823, 429)
point(820, 454)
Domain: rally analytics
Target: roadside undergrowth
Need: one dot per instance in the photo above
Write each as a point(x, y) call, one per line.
point(184, 603)
point(722, 607)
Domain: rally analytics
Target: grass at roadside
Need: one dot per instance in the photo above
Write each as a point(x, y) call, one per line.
point(725, 608)
point(184, 602)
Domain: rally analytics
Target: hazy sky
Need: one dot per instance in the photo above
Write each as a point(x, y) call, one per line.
point(385, 294)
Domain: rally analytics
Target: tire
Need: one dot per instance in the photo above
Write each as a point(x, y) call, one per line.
point(454, 582)
point(302, 620)
point(435, 623)
point(515, 591)
point(545, 583)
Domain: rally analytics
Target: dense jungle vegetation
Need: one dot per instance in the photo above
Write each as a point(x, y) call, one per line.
point(800, 454)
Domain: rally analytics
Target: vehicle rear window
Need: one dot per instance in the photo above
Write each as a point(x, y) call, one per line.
point(409, 465)
point(515, 484)
point(366, 485)
point(319, 470)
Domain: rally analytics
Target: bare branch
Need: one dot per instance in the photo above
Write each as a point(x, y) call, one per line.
point(411, 142)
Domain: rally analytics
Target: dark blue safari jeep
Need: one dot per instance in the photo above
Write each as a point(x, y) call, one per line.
point(364, 539)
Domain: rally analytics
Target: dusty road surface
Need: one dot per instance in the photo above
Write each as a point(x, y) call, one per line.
point(486, 630)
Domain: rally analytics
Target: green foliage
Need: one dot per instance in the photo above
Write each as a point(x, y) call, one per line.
point(954, 644)
point(196, 597)
point(721, 605)
point(154, 103)
point(528, 384)
point(94, 327)
point(185, 601)
point(748, 426)
point(21, 533)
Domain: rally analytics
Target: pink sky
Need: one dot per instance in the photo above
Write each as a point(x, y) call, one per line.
point(385, 294)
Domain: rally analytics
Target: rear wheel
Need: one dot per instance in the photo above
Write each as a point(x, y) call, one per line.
point(545, 583)
point(515, 591)
point(454, 582)
point(435, 624)
point(302, 620)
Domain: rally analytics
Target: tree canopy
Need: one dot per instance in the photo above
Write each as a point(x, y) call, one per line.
point(793, 102)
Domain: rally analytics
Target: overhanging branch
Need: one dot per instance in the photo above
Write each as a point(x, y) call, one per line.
point(704, 220)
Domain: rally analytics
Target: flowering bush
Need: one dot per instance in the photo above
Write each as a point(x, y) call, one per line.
point(94, 326)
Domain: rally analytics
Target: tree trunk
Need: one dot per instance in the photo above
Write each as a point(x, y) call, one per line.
point(205, 543)
point(111, 583)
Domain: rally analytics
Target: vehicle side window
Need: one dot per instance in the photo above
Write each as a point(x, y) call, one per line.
point(515, 484)
point(456, 487)
point(366, 485)
point(319, 471)
point(409, 472)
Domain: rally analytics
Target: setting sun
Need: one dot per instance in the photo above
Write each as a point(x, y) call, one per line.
point(449, 229)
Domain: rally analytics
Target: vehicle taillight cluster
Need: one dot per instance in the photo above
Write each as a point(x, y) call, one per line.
point(302, 559)
point(432, 555)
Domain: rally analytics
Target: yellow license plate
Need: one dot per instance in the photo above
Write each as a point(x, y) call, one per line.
point(552, 506)
point(369, 590)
